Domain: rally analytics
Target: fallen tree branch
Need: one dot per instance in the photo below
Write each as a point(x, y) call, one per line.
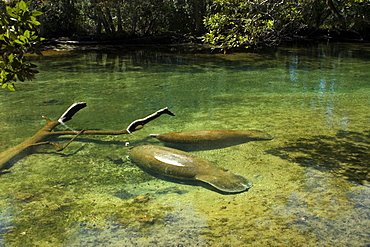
point(46, 131)
point(141, 122)
point(57, 146)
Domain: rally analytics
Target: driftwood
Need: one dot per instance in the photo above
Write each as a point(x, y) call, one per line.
point(47, 131)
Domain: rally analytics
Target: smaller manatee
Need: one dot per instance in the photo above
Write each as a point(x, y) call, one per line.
point(210, 139)
point(181, 165)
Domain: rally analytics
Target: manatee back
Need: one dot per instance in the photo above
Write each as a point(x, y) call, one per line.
point(213, 136)
point(168, 161)
point(178, 164)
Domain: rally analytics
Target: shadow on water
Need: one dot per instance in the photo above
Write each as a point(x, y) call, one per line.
point(345, 155)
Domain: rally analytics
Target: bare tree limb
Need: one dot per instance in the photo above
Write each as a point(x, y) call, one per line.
point(141, 122)
point(59, 147)
point(46, 132)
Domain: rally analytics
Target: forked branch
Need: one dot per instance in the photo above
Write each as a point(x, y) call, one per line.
point(46, 131)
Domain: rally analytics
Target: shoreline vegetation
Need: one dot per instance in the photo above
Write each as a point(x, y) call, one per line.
point(198, 26)
point(186, 44)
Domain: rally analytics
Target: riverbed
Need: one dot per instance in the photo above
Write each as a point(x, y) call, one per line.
point(310, 183)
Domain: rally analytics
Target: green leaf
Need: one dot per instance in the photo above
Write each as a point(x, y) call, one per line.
point(34, 22)
point(22, 6)
point(27, 34)
point(10, 11)
point(19, 42)
point(11, 87)
point(36, 13)
point(10, 58)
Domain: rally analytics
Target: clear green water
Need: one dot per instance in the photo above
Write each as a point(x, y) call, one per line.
point(311, 183)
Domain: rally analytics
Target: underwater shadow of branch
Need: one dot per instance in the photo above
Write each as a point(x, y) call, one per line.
point(345, 155)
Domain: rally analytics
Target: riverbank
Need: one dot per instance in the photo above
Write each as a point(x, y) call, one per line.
point(171, 42)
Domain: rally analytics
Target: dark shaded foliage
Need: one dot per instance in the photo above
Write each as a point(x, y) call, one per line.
point(223, 23)
point(240, 23)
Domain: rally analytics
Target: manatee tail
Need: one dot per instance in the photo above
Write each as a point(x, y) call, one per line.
point(228, 182)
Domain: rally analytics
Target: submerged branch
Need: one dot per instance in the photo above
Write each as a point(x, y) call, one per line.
point(141, 122)
point(46, 131)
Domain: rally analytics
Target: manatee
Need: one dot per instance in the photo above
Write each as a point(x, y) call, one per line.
point(210, 139)
point(184, 166)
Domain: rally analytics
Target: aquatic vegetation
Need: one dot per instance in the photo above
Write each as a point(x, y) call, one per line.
point(66, 196)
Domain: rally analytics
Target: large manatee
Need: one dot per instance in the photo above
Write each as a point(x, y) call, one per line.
point(210, 139)
point(181, 165)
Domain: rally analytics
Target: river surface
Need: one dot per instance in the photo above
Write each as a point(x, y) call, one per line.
point(310, 183)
